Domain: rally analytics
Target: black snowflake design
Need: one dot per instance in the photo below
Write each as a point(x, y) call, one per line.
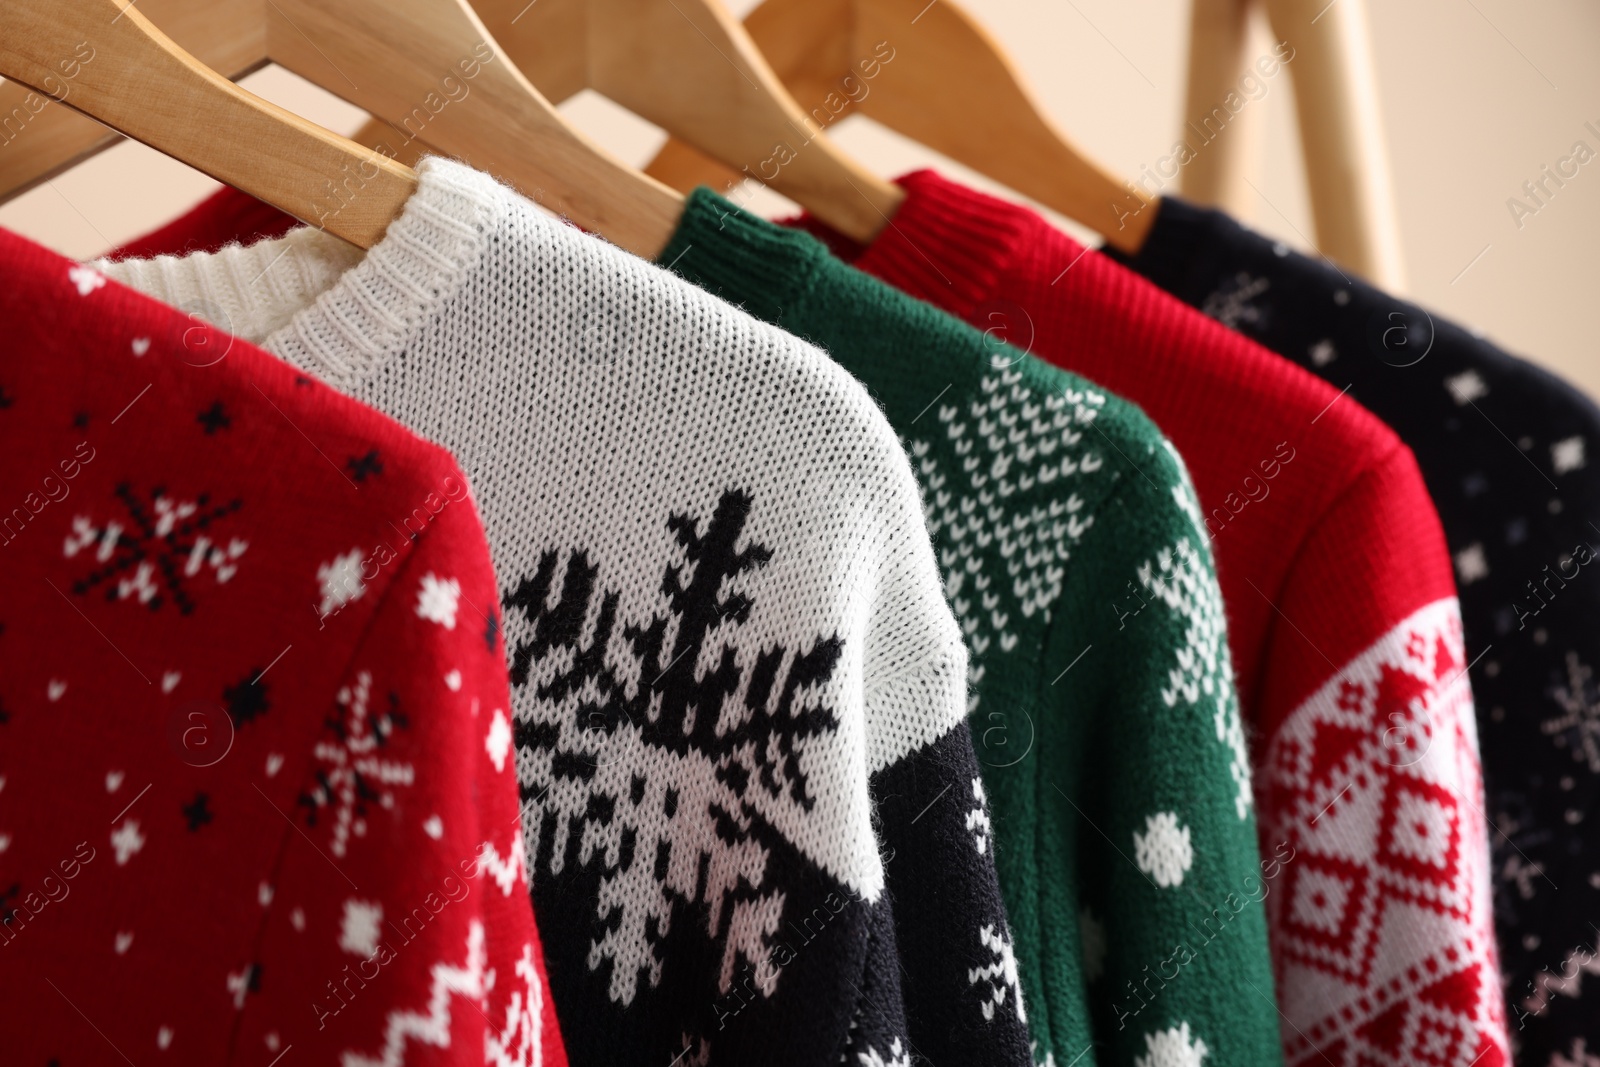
point(629, 728)
point(197, 812)
point(247, 699)
point(363, 467)
point(354, 770)
point(152, 554)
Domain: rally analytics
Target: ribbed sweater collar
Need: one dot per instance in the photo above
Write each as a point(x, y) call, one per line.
point(947, 244)
point(759, 265)
point(324, 305)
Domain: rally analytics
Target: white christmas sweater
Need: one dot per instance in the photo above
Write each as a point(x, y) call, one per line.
point(723, 613)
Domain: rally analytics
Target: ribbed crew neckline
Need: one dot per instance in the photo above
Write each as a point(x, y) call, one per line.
point(939, 222)
point(743, 258)
point(355, 311)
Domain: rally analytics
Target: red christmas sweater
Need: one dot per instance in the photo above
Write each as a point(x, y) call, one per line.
point(257, 793)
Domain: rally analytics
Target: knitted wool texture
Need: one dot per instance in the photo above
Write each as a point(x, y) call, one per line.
point(1506, 449)
point(256, 797)
point(726, 631)
point(1102, 692)
point(1342, 618)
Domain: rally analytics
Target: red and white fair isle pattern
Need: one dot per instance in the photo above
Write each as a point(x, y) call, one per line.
point(1384, 949)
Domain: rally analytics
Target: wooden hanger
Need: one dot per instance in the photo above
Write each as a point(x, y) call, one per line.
point(690, 68)
point(1341, 136)
point(432, 71)
point(104, 58)
point(929, 72)
point(1219, 173)
point(1341, 131)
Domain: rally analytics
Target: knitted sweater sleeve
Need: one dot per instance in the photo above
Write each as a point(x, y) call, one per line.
point(1145, 795)
point(1372, 781)
point(399, 915)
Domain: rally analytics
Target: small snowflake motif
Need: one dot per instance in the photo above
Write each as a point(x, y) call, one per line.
point(1466, 387)
point(1092, 939)
point(873, 1058)
point(85, 279)
point(247, 699)
point(1471, 565)
point(150, 555)
point(244, 981)
point(978, 818)
point(1234, 303)
point(197, 812)
point(353, 770)
point(360, 928)
point(214, 418)
point(127, 841)
point(498, 741)
point(1163, 851)
point(341, 581)
point(1522, 875)
point(999, 975)
point(1578, 727)
point(363, 467)
point(437, 600)
point(1567, 455)
point(1172, 1048)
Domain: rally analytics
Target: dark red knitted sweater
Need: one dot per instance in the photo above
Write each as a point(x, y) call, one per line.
point(257, 789)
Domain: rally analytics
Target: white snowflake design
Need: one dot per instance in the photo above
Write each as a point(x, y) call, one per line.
point(127, 841)
point(1234, 302)
point(1010, 440)
point(999, 975)
point(898, 1057)
point(1181, 578)
point(438, 599)
point(1471, 564)
point(1172, 1048)
point(1578, 727)
point(664, 774)
point(1163, 851)
point(978, 818)
point(1567, 455)
point(341, 581)
point(150, 554)
point(353, 769)
point(85, 279)
point(360, 927)
point(1466, 387)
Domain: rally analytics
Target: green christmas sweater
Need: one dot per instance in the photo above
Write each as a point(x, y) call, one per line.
point(1102, 699)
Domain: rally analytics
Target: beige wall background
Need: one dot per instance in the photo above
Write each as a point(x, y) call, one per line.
point(1477, 96)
